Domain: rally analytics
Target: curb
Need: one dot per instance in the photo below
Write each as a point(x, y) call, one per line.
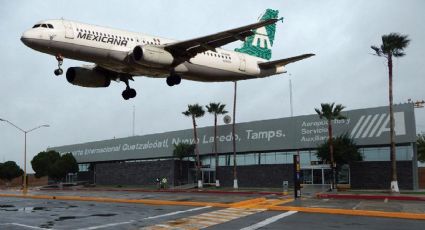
point(371, 197)
point(366, 213)
point(168, 191)
point(118, 200)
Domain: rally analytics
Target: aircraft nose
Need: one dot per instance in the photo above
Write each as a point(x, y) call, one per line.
point(27, 37)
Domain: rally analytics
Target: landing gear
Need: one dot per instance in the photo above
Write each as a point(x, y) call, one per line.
point(59, 70)
point(173, 79)
point(128, 92)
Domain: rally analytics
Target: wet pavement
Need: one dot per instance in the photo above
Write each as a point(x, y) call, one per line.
point(21, 214)
point(25, 213)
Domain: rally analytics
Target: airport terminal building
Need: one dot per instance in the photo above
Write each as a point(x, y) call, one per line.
point(265, 152)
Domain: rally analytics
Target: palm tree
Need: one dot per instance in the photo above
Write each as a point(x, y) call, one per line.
point(216, 109)
point(331, 112)
point(181, 151)
point(393, 44)
point(195, 111)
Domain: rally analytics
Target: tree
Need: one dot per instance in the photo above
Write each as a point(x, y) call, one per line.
point(331, 112)
point(64, 165)
point(195, 111)
point(345, 151)
point(10, 170)
point(183, 150)
point(393, 44)
point(43, 161)
point(421, 147)
point(53, 165)
point(216, 109)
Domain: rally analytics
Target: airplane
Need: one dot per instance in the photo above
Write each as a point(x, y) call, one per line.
point(121, 55)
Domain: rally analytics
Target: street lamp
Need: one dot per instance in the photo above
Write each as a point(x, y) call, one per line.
point(25, 149)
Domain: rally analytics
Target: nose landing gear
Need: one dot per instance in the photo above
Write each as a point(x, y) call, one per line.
point(173, 79)
point(128, 92)
point(59, 70)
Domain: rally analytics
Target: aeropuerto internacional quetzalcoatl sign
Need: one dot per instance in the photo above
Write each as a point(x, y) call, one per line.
point(367, 126)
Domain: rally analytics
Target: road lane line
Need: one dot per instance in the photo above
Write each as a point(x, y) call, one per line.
point(175, 213)
point(25, 226)
point(269, 221)
point(106, 225)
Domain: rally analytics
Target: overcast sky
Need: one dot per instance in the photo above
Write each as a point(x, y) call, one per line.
point(339, 32)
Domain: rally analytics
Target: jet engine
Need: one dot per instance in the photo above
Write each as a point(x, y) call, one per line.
point(87, 77)
point(152, 56)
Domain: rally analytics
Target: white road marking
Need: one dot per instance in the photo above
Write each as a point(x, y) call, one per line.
point(23, 225)
point(107, 225)
point(205, 220)
point(175, 213)
point(269, 221)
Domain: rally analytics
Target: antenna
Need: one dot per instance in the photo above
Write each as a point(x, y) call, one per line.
point(134, 118)
point(290, 97)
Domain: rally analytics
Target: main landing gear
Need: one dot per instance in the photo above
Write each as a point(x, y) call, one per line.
point(173, 79)
point(59, 70)
point(128, 92)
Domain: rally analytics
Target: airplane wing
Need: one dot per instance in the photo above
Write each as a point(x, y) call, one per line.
point(184, 50)
point(282, 62)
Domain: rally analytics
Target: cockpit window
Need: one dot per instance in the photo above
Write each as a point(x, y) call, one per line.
point(50, 26)
point(36, 25)
point(44, 25)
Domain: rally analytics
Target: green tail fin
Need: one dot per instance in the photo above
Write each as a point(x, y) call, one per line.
point(261, 42)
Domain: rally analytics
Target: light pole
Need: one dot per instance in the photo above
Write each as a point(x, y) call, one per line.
point(25, 149)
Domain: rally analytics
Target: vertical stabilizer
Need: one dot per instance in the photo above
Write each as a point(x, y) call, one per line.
point(261, 42)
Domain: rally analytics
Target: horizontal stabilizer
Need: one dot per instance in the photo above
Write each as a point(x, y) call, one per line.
point(283, 62)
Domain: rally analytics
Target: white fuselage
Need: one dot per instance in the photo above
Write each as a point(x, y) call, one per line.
point(111, 49)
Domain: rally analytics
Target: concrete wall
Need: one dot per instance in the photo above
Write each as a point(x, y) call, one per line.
point(141, 173)
point(32, 181)
point(377, 175)
point(421, 172)
point(257, 175)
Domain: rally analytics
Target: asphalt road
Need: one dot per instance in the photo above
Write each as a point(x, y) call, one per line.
point(18, 213)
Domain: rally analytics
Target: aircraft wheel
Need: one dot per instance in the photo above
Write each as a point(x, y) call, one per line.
point(125, 95)
point(177, 79)
point(58, 72)
point(132, 93)
point(170, 81)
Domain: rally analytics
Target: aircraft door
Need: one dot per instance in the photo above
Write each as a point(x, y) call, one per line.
point(69, 32)
point(242, 63)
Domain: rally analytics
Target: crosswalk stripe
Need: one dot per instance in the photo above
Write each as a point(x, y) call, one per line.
point(205, 220)
point(269, 221)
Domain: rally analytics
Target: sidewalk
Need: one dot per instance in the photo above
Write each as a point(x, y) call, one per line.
point(372, 196)
point(211, 190)
point(307, 192)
